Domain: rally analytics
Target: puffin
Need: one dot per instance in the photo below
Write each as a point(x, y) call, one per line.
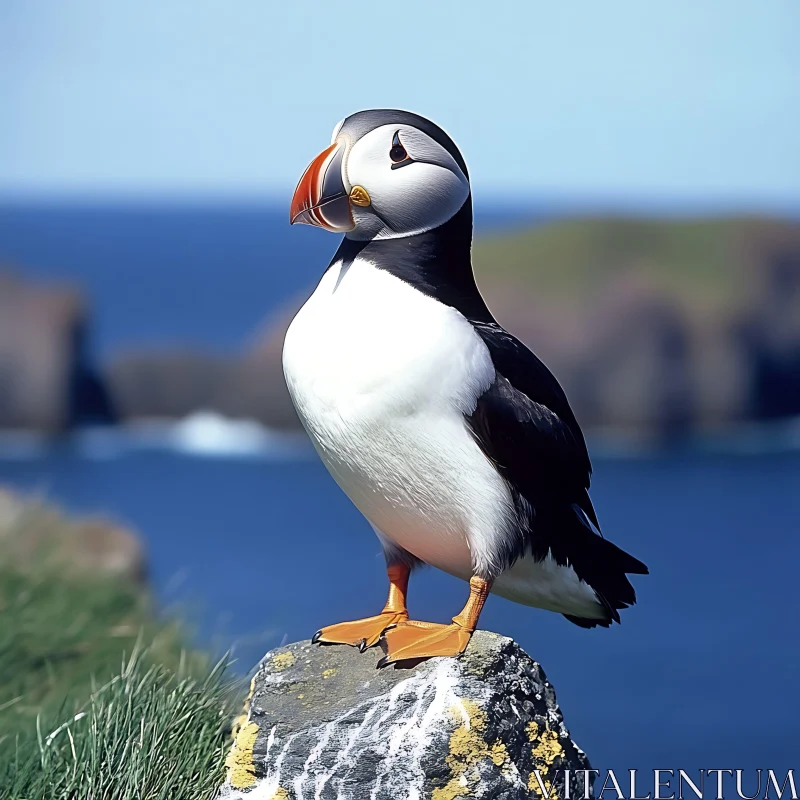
point(448, 434)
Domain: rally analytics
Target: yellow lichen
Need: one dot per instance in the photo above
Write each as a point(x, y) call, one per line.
point(279, 794)
point(468, 747)
point(300, 696)
point(451, 791)
point(282, 661)
point(533, 785)
point(242, 719)
point(241, 770)
point(329, 673)
point(546, 748)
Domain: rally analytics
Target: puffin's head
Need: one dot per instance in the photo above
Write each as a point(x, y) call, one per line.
point(386, 174)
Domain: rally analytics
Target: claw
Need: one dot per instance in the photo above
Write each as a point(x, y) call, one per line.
point(316, 637)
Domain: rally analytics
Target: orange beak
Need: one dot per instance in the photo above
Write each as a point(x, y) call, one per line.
point(321, 197)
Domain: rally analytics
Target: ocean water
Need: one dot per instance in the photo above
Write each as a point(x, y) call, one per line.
point(249, 535)
point(702, 673)
point(202, 276)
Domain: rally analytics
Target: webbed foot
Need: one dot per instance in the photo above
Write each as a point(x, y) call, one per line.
point(361, 633)
point(414, 640)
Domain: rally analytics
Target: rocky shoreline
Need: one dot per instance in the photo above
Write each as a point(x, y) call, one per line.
point(35, 535)
point(636, 357)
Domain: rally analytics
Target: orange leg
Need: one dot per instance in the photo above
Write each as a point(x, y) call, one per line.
point(364, 633)
point(412, 640)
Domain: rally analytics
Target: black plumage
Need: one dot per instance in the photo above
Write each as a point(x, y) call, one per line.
point(525, 425)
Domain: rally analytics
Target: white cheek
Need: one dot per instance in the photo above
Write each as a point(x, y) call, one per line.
point(412, 199)
point(365, 163)
point(419, 197)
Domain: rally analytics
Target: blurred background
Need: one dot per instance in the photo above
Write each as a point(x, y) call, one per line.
point(636, 176)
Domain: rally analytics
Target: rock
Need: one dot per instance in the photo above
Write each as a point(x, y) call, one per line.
point(259, 387)
point(177, 383)
point(323, 722)
point(722, 372)
point(773, 336)
point(167, 383)
point(636, 372)
point(46, 379)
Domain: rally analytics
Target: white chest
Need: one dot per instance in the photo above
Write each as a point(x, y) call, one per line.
point(381, 376)
point(367, 347)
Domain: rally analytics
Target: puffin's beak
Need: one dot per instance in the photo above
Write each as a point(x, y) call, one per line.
point(321, 198)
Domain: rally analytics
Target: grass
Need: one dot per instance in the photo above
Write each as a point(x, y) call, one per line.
point(99, 697)
point(149, 732)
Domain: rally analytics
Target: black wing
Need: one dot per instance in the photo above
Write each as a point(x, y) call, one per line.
point(531, 392)
point(525, 425)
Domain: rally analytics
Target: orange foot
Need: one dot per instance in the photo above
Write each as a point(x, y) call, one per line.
point(413, 640)
point(361, 633)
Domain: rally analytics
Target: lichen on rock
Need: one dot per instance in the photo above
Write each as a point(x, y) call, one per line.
point(282, 661)
point(241, 770)
point(329, 725)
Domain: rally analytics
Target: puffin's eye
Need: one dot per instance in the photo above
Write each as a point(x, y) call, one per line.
point(398, 152)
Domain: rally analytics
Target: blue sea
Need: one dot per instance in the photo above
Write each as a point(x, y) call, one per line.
point(165, 274)
point(248, 534)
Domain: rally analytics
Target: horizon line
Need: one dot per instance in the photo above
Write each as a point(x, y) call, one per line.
point(538, 202)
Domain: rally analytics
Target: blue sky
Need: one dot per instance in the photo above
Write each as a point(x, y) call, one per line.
point(624, 98)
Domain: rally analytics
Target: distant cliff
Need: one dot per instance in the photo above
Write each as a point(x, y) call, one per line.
point(656, 328)
point(47, 381)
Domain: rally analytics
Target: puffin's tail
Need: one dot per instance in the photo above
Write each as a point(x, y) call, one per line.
point(605, 567)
